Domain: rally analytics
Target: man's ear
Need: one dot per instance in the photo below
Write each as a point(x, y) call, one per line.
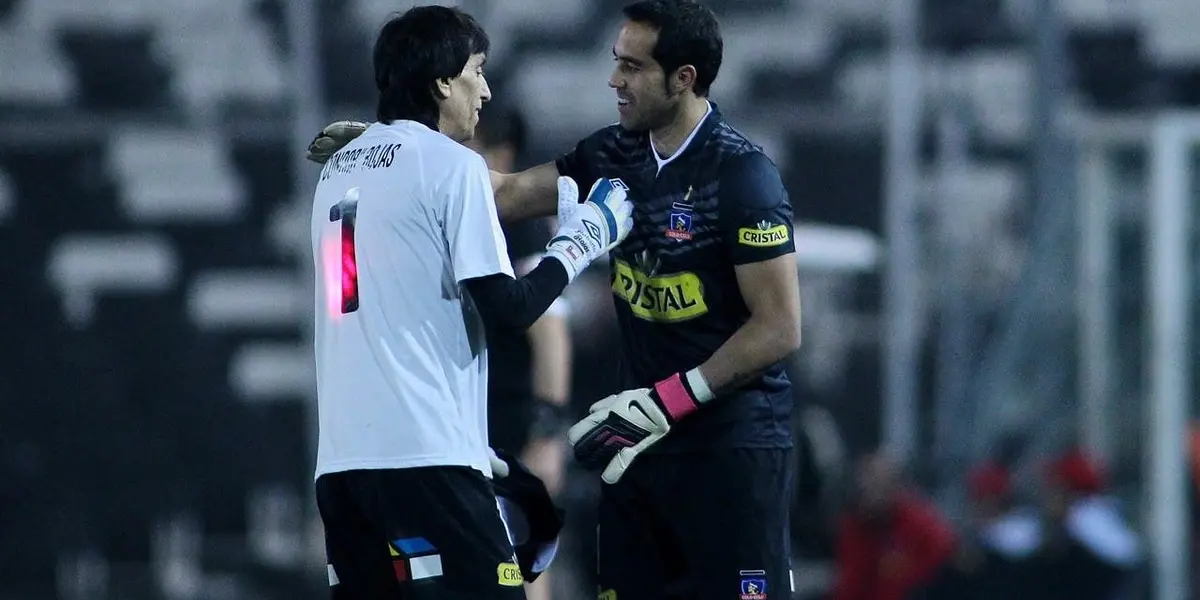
point(441, 88)
point(683, 79)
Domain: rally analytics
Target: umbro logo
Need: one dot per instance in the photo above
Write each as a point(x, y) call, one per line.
point(593, 231)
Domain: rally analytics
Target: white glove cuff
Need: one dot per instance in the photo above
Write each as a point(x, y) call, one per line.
point(562, 252)
point(700, 388)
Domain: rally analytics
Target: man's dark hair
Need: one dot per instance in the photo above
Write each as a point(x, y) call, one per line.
point(413, 51)
point(688, 34)
point(500, 125)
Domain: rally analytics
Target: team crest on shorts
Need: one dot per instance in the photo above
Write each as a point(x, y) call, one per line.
point(753, 585)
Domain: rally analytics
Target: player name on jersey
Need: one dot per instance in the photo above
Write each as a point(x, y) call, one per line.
point(374, 157)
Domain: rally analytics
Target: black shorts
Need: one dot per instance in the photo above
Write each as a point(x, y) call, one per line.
point(430, 533)
point(711, 524)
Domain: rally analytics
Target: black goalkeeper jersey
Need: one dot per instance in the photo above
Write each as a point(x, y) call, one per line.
point(718, 204)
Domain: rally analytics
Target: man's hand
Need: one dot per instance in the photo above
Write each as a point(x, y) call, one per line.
point(598, 225)
point(616, 430)
point(333, 138)
point(619, 428)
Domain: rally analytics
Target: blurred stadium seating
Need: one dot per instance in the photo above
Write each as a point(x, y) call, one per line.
point(156, 378)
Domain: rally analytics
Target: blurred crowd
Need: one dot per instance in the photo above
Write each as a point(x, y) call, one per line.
point(1072, 540)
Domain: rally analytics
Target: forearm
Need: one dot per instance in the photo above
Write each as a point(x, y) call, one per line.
point(752, 349)
point(505, 302)
point(526, 195)
point(550, 345)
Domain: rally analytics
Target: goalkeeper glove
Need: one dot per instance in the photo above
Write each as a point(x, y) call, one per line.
point(620, 427)
point(598, 225)
point(568, 199)
point(532, 519)
point(333, 138)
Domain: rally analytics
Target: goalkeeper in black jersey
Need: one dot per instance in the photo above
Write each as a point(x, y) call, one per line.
point(696, 453)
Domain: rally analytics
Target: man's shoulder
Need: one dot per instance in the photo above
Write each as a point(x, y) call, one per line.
point(614, 137)
point(446, 151)
point(443, 161)
point(737, 156)
point(606, 149)
point(728, 142)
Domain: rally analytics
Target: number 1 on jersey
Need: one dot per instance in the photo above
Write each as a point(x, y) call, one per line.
point(346, 211)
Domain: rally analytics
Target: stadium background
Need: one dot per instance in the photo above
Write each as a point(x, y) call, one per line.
point(994, 203)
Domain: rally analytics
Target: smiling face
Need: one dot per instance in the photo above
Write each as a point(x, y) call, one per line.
point(639, 80)
point(460, 98)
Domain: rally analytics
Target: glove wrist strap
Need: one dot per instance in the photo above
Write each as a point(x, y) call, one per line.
point(569, 254)
point(675, 396)
point(699, 385)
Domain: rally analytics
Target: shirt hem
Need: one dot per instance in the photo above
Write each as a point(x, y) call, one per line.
point(399, 463)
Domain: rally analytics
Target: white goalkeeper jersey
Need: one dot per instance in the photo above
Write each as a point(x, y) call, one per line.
point(401, 217)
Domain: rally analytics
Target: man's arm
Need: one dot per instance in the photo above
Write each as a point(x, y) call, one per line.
point(756, 223)
point(534, 192)
point(550, 347)
point(771, 290)
point(505, 302)
point(529, 194)
point(479, 254)
point(519, 196)
point(550, 344)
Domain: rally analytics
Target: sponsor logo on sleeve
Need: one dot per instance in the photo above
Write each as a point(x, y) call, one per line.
point(765, 235)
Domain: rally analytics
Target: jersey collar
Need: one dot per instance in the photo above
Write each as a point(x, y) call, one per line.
point(698, 135)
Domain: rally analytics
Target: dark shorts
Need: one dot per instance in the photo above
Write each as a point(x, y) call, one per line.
point(702, 525)
point(431, 533)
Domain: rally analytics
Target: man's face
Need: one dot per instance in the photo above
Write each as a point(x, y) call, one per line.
point(462, 97)
point(642, 99)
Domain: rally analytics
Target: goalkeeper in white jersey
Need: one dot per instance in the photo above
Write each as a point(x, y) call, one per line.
point(410, 266)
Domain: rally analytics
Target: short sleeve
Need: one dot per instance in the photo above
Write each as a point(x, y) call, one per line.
point(473, 233)
point(578, 163)
point(755, 212)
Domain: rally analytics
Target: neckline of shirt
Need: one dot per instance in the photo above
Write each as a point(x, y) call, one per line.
point(662, 162)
